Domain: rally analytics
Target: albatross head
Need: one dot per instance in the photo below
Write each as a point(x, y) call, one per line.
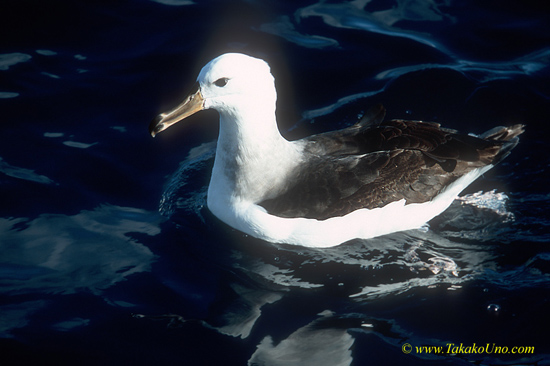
point(238, 86)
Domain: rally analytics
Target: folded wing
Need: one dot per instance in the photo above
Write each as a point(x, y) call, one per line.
point(376, 162)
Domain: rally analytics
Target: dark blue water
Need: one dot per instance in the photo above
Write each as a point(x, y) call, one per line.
point(108, 255)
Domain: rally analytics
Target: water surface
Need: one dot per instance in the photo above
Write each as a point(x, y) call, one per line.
point(109, 256)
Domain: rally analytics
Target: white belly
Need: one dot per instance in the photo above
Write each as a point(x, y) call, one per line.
point(363, 223)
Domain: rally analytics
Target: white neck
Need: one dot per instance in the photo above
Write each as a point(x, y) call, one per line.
point(252, 159)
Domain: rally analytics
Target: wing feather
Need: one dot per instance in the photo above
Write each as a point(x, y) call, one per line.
point(373, 163)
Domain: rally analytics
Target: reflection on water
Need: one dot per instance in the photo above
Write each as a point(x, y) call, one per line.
point(456, 249)
point(9, 59)
point(479, 272)
point(286, 29)
point(22, 173)
point(239, 316)
point(16, 316)
point(375, 268)
point(353, 15)
point(314, 344)
point(527, 65)
point(61, 254)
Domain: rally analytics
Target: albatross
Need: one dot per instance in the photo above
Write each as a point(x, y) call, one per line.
point(370, 179)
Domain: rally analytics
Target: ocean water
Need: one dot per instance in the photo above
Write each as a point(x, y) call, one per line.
point(108, 254)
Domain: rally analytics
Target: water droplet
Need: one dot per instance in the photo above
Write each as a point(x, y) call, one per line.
point(493, 308)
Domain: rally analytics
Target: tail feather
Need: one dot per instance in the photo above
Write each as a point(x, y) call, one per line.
point(505, 137)
point(501, 133)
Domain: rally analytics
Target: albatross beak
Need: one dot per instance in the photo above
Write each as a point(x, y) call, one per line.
point(193, 103)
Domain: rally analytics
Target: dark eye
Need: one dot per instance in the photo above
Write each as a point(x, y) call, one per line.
point(221, 82)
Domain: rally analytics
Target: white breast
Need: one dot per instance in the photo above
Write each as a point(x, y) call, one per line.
point(252, 219)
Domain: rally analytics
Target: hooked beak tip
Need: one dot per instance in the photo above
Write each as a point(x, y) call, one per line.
point(156, 125)
point(193, 103)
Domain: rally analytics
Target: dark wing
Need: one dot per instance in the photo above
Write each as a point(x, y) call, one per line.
point(373, 163)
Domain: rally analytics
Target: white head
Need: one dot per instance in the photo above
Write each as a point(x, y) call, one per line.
point(234, 78)
point(236, 85)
